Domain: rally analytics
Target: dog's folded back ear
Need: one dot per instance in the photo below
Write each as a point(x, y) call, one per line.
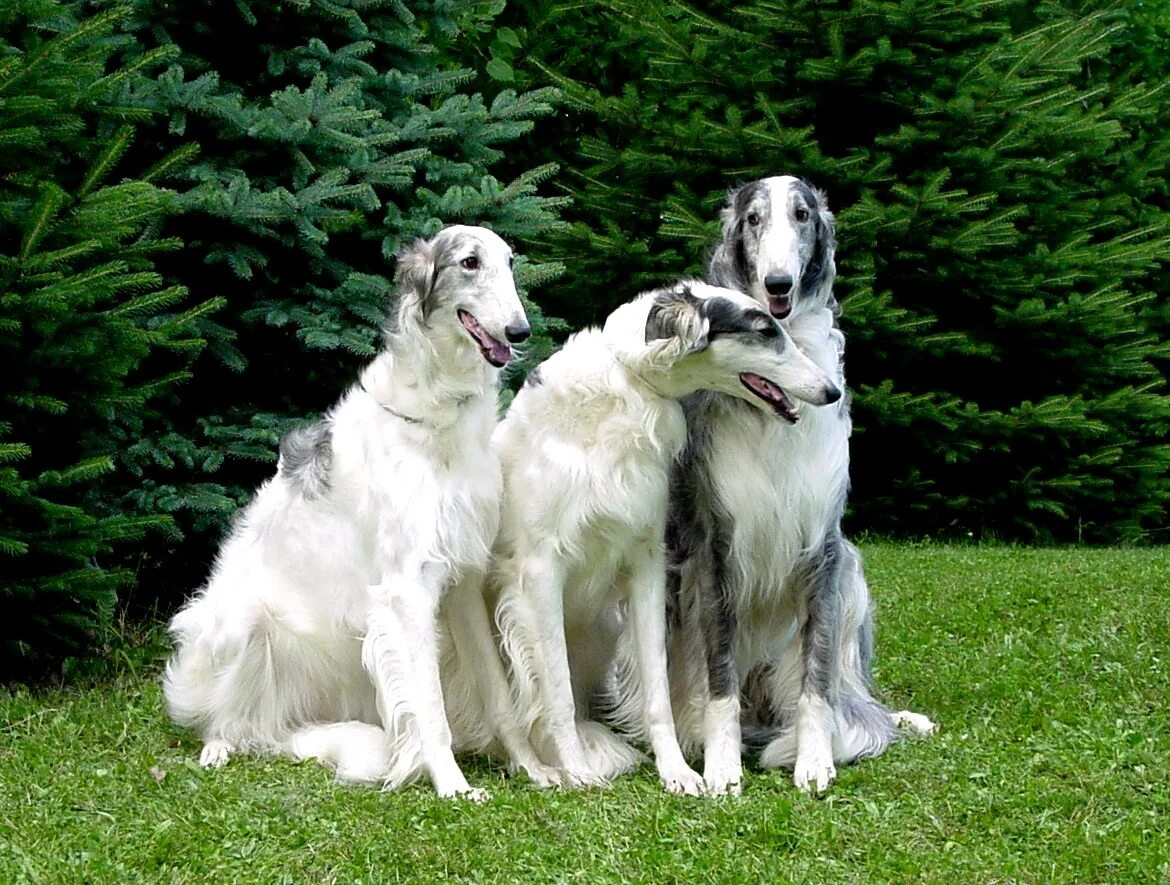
point(677, 313)
point(820, 273)
point(415, 273)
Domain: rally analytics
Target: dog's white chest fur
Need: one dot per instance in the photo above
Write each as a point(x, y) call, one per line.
point(765, 469)
point(436, 506)
point(589, 457)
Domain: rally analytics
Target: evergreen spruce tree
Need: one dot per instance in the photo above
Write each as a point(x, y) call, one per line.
point(88, 327)
point(1002, 222)
point(333, 133)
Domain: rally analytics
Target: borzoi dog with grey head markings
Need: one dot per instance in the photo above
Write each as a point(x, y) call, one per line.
point(768, 600)
point(585, 450)
point(321, 629)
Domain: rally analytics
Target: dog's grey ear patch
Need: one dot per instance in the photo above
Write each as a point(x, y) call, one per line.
point(676, 313)
point(416, 270)
point(725, 317)
point(821, 270)
point(306, 458)
point(744, 261)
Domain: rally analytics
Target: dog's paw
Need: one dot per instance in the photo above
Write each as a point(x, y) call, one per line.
point(581, 778)
point(682, 781)
point(215, 754)
point(814, 770)
point(462, 791)
point(723, 779)
point(539, 775)
point(915, 722)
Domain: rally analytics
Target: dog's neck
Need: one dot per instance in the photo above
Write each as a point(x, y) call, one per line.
point(662, 383)
point(422, 382)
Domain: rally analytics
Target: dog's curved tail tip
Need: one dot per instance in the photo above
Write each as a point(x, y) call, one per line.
point(756, 737)
point(359, 752)
point(913, 723)
point(862, 733)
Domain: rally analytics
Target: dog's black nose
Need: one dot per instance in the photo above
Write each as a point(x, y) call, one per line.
point(778, 283)
point(517, 332)
point(832, 394)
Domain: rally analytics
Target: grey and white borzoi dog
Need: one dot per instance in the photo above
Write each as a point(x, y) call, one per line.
point(767, 598)
point(585, 451)
point(333, 602)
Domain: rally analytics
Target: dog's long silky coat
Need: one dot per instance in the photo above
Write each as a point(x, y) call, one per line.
point(770, 622)
point(585, 451)
point(336, 597)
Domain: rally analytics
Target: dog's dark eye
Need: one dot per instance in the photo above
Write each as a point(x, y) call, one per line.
point(801, 215)
point(470, 262)
point(511, 261)
point(753, 219)
point(769, 331)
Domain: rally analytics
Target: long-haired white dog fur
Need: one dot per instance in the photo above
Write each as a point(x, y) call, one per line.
point(585, 450)
point(771, 617)
point(322, 627)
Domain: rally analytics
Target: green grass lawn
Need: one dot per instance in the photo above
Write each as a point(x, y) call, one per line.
point(1045, 669)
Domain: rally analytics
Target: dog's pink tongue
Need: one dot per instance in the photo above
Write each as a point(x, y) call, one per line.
point(779, 306)
point(501, 352)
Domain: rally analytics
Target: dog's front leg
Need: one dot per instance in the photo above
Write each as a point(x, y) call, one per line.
point(471, 630)
point(400, 652)
point(542, 583)
point(647, 601)
point(722, 734)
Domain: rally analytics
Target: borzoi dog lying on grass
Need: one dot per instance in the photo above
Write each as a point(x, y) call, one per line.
point(770, 602)
point(585, 450)
point(320, 630)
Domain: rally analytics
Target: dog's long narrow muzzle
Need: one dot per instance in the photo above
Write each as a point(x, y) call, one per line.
point(779, 289)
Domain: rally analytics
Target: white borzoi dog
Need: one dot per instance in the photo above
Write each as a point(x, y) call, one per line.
point(585, 450)
point(768, 601)
point(322, 627)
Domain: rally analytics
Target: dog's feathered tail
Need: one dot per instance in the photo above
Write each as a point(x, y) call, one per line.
point(609, 754)
point(358, 752)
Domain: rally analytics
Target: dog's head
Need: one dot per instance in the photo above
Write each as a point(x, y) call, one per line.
point(703, 337)
point(459, 283)
point(778, 245)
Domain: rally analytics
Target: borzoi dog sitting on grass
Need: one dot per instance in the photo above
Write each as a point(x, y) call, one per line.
point(321, 629)
point(773, 619)
point(585, 450)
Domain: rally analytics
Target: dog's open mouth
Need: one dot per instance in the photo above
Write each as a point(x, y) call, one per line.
point(771, 394)
point(779, 306)
point(495, 352)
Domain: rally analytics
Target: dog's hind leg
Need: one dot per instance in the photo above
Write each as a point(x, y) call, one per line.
point(188, 683)
point(467, 619)
point(219, 682)
point(646, 592)
point(400, 651)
